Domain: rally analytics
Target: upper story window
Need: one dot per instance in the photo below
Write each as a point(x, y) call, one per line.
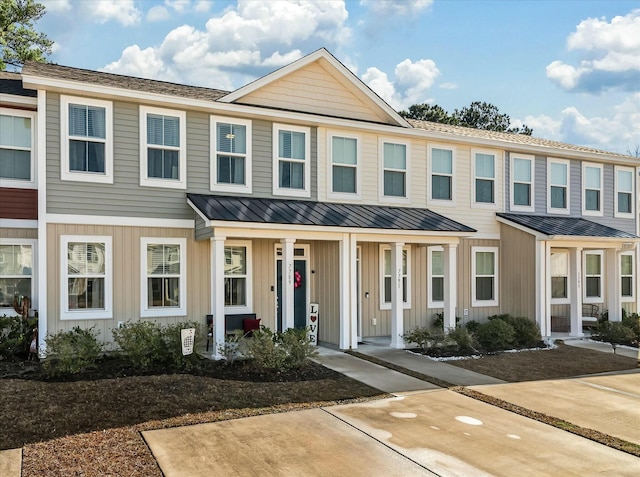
point(435, 277)
point(231, 155)
point(484, 183)
point(344, 176)
point(484, 270)
point(17, 163)
point(559, 276)
point(163, 151)
point(592, 189)
point(291, 160)
point(557, 186)
point(441, 173)
point(164, 278)
point(593, 277)
point(386, 277)
point(624, 192)
point(86, 140)
point(16, 271)
point(627, 285)
point(395, 162)
point(522, 183)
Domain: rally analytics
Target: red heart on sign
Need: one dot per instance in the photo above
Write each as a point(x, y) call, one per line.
point(314, 318)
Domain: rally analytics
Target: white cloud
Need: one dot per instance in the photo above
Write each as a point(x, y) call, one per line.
point(158, 13)
point(55, 6)
point(179, 6)
point(99, 11)
point(396, 7)
point(610, 55)
point(203, 6)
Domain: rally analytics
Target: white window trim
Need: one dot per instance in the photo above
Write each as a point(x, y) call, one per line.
point(283, 191)
point(634, 275)
point(34, 270)
point(496, 161)
point(624, 215)
point(248, 308)
point(484, 303)
point(593, 213)
point(554, 210)
point(145, 310)
point(358, 167)
point(247, 187)
point(388, 198)
point(387, 305)
point(522, 208)
point(566, 300)
point(593, 299)
point(65, 172)
point(33, 182)
point(430, 276)
point(181, 182)
point(91, 314)
point(445, 202)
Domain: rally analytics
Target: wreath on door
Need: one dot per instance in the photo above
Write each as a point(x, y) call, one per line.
point(297, 279)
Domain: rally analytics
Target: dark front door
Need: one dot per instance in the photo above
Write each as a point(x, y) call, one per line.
point(299, 294)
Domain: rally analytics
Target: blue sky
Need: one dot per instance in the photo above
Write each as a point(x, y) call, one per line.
point(568, 69)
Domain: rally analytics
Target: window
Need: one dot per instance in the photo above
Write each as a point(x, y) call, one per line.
point(16, 148)
point(559, 277)
point(485, 276)
point(558, 186)
point(163, 284)
point(441, 173)
point(624, 192)
point(626, 276)
point(237, 274)
point(86, 139)
point(436, 277)
point(86, 277)
point(163, 151)
point(592, 189)
point(394, 170)
point(231, 155)
point(522, 183)
point(16, 271)
point(344, 174)
point(593, 277)
point(387, 275)
point(484, 166)
point(291, 160)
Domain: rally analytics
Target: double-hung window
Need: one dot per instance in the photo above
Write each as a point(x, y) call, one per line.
point(231, 155)
point(395, 164)
point(86, 139)
point(484, 184)
point(441, 173)
point(435, 277)
point(522, 183)
point(164, 280)
point(237, 277)
point(344, 174)
point(484, 270)
point(627, 284)
point(291, 160)
point(387, 276)
point(163, 152)
point(557, 186)
point(592, 189)
point(593, 277)
point(624, 203)
point(16, 271)
point(559, 276)
point(17, 162)
point(86, 277)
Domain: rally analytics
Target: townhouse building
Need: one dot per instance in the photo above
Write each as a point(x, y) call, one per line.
point(132, 199)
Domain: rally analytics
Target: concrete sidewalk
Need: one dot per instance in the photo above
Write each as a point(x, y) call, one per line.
point(627, 351)
point(11, 463)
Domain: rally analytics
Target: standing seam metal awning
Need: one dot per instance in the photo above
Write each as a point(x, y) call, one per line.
point(566, 226)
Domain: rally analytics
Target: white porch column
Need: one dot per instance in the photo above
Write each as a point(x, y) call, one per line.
point(575, 290)
point(217, 293)
point(287, 284)
point(345, 291)
point(543, 287)
point(450, 291)
point(353, 312)
point(397, 306)
point(613, 301)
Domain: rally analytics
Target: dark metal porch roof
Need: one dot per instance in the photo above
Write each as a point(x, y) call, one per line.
point(566, 226)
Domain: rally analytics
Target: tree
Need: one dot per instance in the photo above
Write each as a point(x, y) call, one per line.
point(635, 152)
point(427, 112)
point(19, 42)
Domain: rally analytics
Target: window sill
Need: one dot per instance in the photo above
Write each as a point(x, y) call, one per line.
point(240, 189)
point(87, 177)
point(163, 183)
point(94, 314)
point(292, 193)
point(162, 312)
point(484, 304)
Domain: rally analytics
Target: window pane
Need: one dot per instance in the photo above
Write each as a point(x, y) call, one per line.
point(95, 157)
point(387, 289)
point(171, 131)
point(627, 288)
point(437, 289)
point(624, 202)
point(592, 198)
point(15, 131)
point(96, 122)
point(485, 166)
point(592, 177)
point(387, 261)
point(484, 191)
point(85, 258)
point(344, 179)
point(13, 287)
point(625, 181)
point(522, 194)
point(558, 197)
point(235, 261)
point(437, 262)
point(522, 170)
point(77, 120)
point(344, 150)
point(442, 161)
point(291, 175)
point(15, 260)
point(395, 156)
point(291, 144)
point(485, 264)
point(558, 174)
point(235, 291)
point(15, 164)
point(559, 264)
point(86, 293)
point(592, 264)
point(394, 184)
point(593, 287)
point(484, 288)
point(441, 187)
point(231, 170)
point(155, 129)
point(231, 138)
point(558, 287)
point(626, 264)
point(162, 164)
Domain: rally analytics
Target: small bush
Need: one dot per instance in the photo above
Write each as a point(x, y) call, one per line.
point(495, 335)
point(231, 349)
point(15, 335)
point(264, 349)
point(421, 336)
point(298, 347)
point(463, 339)
point(472, 326)
point(142, 343)
point(633, 323)
point(527, 332)
point(71, 352)
point(615, 333)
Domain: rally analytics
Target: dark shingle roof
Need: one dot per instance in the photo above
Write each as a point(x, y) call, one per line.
point(300, 212)
point(119, 81)
point(11, 83)
point(566, 226)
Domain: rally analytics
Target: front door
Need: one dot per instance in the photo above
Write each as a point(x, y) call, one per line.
point(300, 291)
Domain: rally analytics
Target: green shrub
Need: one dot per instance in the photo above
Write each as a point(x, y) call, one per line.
point(142, 343)
point(421, 336)
point(615, 333)
point(71, 352)
point(472, 326)
point(264, 349)
point(298, 348)
point(527, 332)
point(464, 341)
point(15, 335)
point(632, 322)
point(495, 335)
point(231, 349)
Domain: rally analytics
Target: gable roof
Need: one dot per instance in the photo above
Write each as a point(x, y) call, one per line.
point(322, 214)
point(566, 226)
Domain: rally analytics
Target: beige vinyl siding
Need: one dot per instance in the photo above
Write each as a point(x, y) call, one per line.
point(18, 233)
point(313, 89)
point(127, 275)
point(264, 281)
point(465, 279)
point(629, 307)
point(326, 293)
point(518, 273)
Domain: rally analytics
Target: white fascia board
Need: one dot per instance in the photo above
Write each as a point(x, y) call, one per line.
point(590, 241)
point(207, 222)
point(18, 100)
point(120, 221)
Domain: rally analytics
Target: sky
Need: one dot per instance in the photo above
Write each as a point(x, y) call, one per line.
point(569, 69)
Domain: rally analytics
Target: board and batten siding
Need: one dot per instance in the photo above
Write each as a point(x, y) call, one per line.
point(326, 292)
point(517, 273)
point(18, 233)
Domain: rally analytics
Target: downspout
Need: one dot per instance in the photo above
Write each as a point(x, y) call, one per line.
point(41, 154)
